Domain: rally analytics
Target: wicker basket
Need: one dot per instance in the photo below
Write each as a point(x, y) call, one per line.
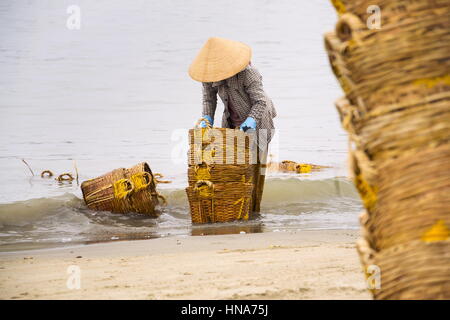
point(400, 164)
point(391, 11)
point(221, 184)
point(221, 202)
point(123, 190)
point(397, 114)
point(221, 173)
point(221, 146)
point(405, 186)
point(363, 59)
point(292, 166)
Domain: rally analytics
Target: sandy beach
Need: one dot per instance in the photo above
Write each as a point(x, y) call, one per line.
point(275, 265)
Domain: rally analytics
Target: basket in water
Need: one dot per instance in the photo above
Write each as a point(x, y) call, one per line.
point(220, 202)
point(123, 190)
point(220, 175)
point(292, 166)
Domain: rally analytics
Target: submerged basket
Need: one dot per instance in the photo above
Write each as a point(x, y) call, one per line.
point(123, 190)
point(397, 114)
point(221, 202)
point(292, 166)
point(220, 175)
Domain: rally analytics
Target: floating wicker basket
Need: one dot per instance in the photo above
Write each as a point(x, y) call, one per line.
point(292, 166)
point(220, 175)
point(123, 191)
point(397, 113)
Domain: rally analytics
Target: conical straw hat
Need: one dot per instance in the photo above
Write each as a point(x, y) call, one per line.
point(220, 59)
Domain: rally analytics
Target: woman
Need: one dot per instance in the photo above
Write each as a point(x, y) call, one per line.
point(224, 68)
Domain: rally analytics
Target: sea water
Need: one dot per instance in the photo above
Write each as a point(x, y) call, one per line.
point(116, 92)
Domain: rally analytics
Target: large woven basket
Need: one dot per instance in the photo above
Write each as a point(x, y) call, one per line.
point(404, 61)
point(220, 175)
point(220, 202)
point(123, 191)
point(397, 114)
point(221, 146)
point(391, 11)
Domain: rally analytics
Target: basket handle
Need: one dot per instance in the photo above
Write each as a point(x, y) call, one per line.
point(197, 167)
point(159, 175)
point(201, 191)
point(46, 173)
point(160, 196)
point(200, 183)
point(65, 177)
point(123, 188)
point(347, 26)
point(141, 180)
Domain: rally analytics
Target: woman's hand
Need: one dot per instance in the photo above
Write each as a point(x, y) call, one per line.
point(249, 123)
point(203, 123)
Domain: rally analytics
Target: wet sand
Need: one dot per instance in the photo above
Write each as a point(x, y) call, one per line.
point(276, 265)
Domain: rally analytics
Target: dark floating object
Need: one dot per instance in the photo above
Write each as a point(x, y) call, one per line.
point(46, 174)
point(65, 177)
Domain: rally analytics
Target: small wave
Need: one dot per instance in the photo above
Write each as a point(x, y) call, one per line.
point(295, 190)
point(288, 202)
point(23, 212)
point(287, 191)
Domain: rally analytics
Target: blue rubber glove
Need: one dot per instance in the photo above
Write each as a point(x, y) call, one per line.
point(249, 123)
point(203, 122)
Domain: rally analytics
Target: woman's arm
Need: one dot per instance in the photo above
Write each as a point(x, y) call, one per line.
point(254, 88)
point(209, 100)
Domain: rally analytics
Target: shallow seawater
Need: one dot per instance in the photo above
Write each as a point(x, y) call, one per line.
point(116, 93)
point(290, 203)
